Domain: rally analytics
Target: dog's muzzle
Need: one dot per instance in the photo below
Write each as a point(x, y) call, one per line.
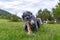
point(27, 18)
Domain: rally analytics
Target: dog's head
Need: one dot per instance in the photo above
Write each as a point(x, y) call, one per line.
point(26, 16)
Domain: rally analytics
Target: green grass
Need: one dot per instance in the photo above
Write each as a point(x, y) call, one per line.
point(15, 31)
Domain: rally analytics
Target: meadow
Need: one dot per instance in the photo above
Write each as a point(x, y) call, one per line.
point(15, 31)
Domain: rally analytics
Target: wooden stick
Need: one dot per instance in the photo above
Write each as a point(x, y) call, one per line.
point(28, 27)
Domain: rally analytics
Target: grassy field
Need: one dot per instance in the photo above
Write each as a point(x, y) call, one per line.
point(15, 31)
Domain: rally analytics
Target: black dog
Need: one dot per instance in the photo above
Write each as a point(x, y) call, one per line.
point(30, 20)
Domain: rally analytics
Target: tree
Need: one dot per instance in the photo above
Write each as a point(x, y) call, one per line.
point(14, 18)
point(56, 12)
point(39, 13)
point(44, 15)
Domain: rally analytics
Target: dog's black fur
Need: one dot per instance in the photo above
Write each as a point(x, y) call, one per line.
point(28, 16)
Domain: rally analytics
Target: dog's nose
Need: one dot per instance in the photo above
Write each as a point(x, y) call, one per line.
point(27, 18)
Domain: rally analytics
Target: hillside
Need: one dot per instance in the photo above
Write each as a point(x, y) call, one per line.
point(5, 14)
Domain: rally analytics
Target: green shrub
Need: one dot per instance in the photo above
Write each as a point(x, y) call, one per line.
point(51, 22)
point(14, 18)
